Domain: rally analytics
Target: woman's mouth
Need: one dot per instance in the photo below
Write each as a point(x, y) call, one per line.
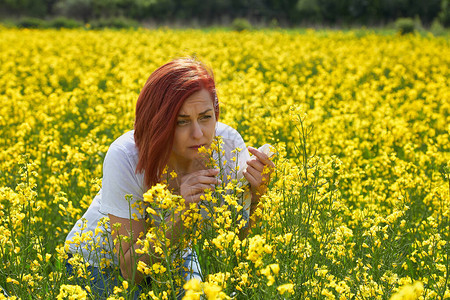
point(196, 147)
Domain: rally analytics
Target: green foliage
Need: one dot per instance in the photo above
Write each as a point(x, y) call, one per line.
point(31, 8)
point(308, 9)
point(290, 12)
point(78, 9)
point(29, 22)
point(437, 28)
point(58, 22)
point(274, 23)
point(418, 24)
point(405, 25)
point(444, 15)
point(62, 22)
point(7, 23)
point(118, 23)
point(241, 24)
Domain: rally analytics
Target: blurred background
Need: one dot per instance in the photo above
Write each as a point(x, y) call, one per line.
point(237, 14)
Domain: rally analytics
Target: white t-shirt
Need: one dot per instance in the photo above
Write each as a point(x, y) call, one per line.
point(120, 179)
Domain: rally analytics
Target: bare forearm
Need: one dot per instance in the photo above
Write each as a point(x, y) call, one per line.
point(253, 216)
point(128, 264)
point(138, 252)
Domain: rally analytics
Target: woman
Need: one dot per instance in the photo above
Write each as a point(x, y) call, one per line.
point(176, 114)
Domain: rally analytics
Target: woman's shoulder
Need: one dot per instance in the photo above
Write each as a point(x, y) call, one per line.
point(125, 142)
point(122, 158)
point(124, 146)
point(231, 138)
point(227, 132)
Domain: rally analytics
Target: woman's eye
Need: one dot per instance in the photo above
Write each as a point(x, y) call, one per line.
point(182, 122)
point(207, 117)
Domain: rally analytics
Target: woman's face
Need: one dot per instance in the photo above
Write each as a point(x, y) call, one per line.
point(196, 124)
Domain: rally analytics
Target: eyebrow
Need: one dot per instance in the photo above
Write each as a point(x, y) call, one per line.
point(202, 113)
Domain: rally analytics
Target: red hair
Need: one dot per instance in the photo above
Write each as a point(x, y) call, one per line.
point(157, 109)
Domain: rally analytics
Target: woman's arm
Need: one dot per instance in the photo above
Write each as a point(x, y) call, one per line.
point(123, 229)
point(191, 188)
point(129, 231)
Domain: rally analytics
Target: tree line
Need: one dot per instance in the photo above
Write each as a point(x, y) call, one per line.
point(212, 12)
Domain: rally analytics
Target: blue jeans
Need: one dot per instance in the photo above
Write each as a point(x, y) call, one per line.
point(103, 281)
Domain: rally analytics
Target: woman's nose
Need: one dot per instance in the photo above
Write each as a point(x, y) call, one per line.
point(197, 132)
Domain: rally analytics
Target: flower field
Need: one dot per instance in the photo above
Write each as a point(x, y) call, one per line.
point(359, 204)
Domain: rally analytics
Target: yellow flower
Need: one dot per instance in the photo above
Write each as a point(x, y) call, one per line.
point(269, 271)
point(193, 289)
point(12, 280)
point(212, 291)
point(67, 291)
point(354, 155)
point(158, 268)
point(117, 290)
point(193, 284)
point(288, 287)
point(409, 292)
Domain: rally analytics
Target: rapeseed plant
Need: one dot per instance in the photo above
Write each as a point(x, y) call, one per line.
point(359, 203)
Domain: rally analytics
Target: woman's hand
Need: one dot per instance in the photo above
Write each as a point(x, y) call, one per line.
point(194, 184)
point(259, 169)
